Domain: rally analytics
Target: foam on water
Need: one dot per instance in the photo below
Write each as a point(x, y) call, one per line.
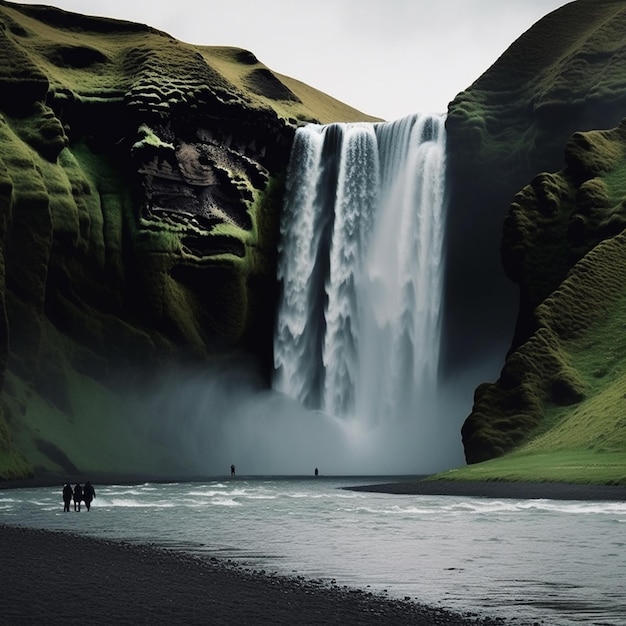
point(225, 502)
point(560, 562)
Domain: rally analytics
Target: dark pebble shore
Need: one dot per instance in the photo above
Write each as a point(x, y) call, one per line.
point(499, 489)
point(56, 578)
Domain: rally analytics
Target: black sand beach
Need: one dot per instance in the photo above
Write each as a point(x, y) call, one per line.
point(499, 489)
point(56, 578)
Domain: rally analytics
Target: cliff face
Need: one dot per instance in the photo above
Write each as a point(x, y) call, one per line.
point(561, 243)
point(140, 184)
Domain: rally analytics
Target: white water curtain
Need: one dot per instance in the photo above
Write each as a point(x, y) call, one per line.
point(360, 268)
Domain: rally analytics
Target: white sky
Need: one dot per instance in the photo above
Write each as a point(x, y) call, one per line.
point(387, 58)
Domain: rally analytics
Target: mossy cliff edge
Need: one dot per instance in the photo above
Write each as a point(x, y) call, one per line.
point(562, 387)
point(140, 184)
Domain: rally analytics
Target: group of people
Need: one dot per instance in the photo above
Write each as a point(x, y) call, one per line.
point(79, 494)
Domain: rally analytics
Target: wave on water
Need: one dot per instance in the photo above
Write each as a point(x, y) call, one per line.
point(532, 560)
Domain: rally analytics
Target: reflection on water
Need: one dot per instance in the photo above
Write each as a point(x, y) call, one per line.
point(561, 562)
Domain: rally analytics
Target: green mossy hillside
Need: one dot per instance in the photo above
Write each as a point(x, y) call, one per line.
point(565, 74)
point(562, 83)
point(140, 187)
point(564, 387)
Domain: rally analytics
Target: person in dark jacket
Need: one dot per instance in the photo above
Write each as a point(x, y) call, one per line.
point(78, 496)
point(67, 497)
point(89, 493)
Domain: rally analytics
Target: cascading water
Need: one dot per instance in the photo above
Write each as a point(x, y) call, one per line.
point(360, 266)
point(357, 335)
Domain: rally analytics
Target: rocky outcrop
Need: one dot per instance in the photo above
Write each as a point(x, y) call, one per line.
point(140, 186)
point(561, 238)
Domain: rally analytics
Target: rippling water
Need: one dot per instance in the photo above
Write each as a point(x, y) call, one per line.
point(561, 562)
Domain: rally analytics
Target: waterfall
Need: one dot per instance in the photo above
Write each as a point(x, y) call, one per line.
point(356, 343)
point(360, 268)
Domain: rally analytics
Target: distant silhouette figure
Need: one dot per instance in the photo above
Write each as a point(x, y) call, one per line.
point(78, 496)
point(89, 493)
point(232, 471)
point(316, 472)
point(67, 497)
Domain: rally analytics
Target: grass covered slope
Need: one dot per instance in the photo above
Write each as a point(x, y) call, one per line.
point(560, 401)
point(140, 187)
point(56, 52)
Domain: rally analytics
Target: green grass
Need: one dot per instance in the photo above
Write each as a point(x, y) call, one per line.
point(13, 464)
point(565, 466)
point(87, 426)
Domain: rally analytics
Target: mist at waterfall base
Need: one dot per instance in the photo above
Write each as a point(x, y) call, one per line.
point(356, 348)
point(204, 421)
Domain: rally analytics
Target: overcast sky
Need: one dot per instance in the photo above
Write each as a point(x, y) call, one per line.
point(387, 58)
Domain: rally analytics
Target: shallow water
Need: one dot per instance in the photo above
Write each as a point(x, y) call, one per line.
point(562, 562)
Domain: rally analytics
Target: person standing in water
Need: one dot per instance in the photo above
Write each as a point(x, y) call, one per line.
point(89, 493)
point(67, 497)
point(232, 471)
point(78, 496)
